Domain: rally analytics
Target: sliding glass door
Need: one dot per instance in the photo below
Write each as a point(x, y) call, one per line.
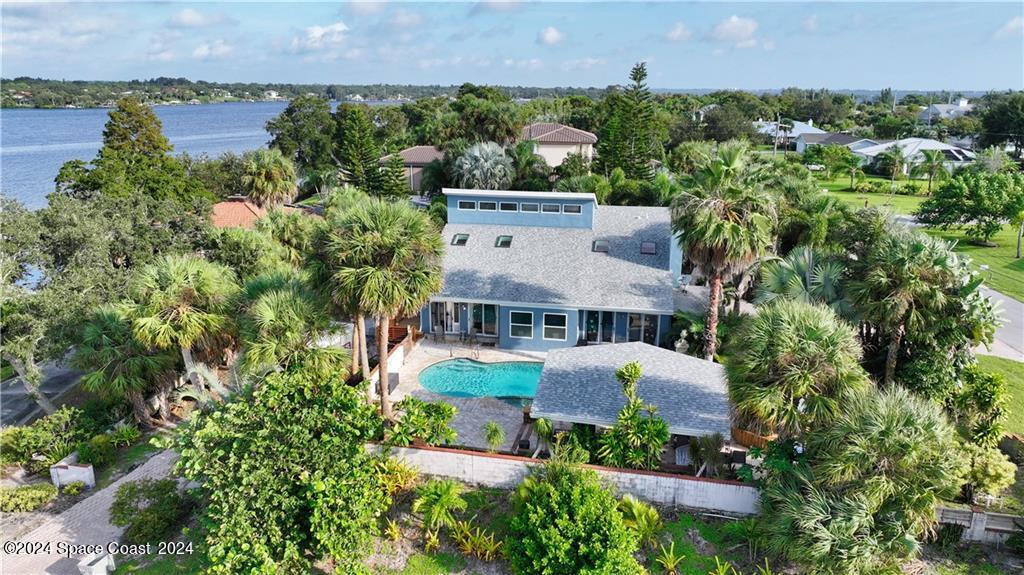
point(599, 326)
point(642, 327)
point(484, 318)
point(445, 315)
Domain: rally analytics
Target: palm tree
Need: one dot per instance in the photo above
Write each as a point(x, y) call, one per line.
point(724, 220)
point(294, 230)
point(901, 287)
point(796, 365)
point(484, 166)
point(530, 169)
point(385, 259)
point(281, 325)
point(438, 500)
point(932, 165)
point(321, 182)
point(181, 302)
point(805, 276)
point(894, 162)
point(117, 364)
point(269, 178)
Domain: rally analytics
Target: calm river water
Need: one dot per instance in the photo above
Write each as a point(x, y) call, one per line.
point(35, 143)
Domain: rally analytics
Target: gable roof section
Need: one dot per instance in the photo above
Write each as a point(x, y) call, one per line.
point(557, 267)
point(914, 146)
point(552, 133)
point(794, 131)
point(578, 385)
point(417, 155)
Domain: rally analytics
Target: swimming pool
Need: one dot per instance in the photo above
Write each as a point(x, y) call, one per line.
point(463, 377)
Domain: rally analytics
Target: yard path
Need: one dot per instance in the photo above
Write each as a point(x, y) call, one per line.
point(87, 523)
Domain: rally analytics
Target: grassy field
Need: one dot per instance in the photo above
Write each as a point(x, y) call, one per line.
point(1013, 371)
point(840, 188)
point(1005, 272)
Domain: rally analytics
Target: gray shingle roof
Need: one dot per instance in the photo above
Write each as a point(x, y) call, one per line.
point(578, 385)
point(547, 265)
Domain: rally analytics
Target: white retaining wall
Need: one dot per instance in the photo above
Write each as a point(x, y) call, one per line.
point(506, 471)
point(979, 525)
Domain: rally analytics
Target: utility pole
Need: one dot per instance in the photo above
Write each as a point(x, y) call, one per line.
point(775, 139)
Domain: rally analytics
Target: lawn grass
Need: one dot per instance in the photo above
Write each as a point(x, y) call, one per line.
point(1005, 272)
point(6, 370)
point(1013, 372)
point(695, 563)
point(193, 563)
point(899, 204)
point(432, 564)
point(126, 460)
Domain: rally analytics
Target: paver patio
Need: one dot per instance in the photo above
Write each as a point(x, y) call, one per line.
point(473, 412)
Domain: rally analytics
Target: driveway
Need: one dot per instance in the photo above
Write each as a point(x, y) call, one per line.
point(17, 408)
point(1009, 340)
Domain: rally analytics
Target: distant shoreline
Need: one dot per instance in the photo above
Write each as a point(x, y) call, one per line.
point(181, 104)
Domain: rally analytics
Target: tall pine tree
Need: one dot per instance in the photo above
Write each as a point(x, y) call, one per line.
point(629, 140)
point(394, 183)
point(357, 149)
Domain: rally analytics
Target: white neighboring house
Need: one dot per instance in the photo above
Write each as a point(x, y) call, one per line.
point(554, 142)
point(804, 141)
point(787, 134)
point(912, 149)
point(945, 111)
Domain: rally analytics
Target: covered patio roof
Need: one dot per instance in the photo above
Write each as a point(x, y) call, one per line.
point(578, 385)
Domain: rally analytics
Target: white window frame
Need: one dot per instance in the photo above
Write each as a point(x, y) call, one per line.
point(544, 327)
point(576, 206)
point(480, 206)
point(497, 319)
point(543, 209)
point(522, 207)
point(471, 202)
point(512, 323)
point(455, 237)
point(515, 207)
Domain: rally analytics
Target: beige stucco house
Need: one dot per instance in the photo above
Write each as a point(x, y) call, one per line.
point(554, 142)
point(414, 159)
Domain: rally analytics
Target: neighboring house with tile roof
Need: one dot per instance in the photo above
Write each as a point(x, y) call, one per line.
point(554, 142)
point(803, 141)
point(239, 212)
point(414, 159)
point(544, 270)
point(578, 385)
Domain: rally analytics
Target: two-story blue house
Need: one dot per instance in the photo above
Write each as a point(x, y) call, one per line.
point(542, 270)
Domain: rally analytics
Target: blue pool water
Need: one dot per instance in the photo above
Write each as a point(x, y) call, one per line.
point(468, 378)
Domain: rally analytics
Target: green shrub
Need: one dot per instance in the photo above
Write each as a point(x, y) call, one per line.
point(16, 445)
point(988, 470)
point(73, 488)
point(494, 434)
point(566, 522)
point(149, 508)
point(639, 435)
point(99, 451)
point(97, 415)
point(418, 419)
point(26, 498)
point(396, 476)
point(125, 435)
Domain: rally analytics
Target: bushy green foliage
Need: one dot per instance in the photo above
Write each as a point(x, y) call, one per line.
point(638, 438)
point(864, 492)
point(980, 406)
point(567, 523)
point(286, 474)
point(26, 497)
point(982, 202)
point(125, 435)
point(73, 488)
point(53, 436)
point(248, 252)
point(149, 509)
point(98, 451)
point(494, 435)
point(429, 422)
point(396, 476)
point(475, 542)
point(988, 469)
point(437, 501)
point(642, 518)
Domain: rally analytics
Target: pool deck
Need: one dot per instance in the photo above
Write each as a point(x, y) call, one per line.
point(473, 412)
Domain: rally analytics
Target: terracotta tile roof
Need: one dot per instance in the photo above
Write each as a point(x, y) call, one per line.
point(237, 212)
point(418, 155)
point(550, 133)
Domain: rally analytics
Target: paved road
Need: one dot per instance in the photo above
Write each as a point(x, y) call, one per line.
point(1009, 341)
point(17, 408)
point(87, 523)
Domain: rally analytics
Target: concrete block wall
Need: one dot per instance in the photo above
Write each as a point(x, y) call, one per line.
point(68, 470)
point(507, 471)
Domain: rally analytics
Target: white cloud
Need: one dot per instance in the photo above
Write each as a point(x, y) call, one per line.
point(366, 8)
point(1012, 29)
point(810, 23)
point(212, 50)
point(190, 18)
point(316, 38)
point(583, 64)
point(550, 36)
point(735, 30)
point(494, 6)
point(403, 19)
point(524, 63)
point(29, 28)
point(678, 33)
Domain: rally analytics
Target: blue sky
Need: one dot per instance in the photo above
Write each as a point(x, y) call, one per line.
point(969, 46)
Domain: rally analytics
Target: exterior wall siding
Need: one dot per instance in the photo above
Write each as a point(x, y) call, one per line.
point(585, 219)
point(555, 154)
point(537, 342)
